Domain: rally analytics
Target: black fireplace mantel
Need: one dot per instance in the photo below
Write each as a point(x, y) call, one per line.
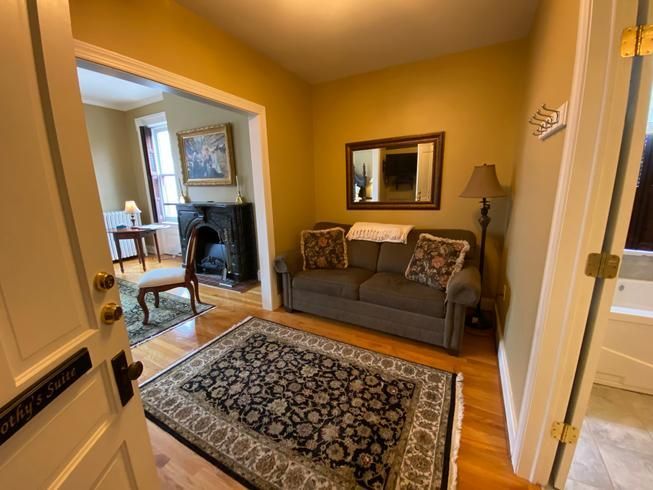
point(225, 225)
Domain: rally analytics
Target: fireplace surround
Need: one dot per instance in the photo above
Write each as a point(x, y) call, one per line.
point(226, 252)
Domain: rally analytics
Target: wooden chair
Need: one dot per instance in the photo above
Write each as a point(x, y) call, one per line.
point(158, 280)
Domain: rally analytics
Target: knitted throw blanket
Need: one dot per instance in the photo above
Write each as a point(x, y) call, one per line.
point(379, 232)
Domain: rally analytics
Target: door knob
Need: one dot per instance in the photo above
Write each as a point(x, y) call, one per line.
point(124, 374)
point(134, 370)
point(111, 312)
point(104, 281)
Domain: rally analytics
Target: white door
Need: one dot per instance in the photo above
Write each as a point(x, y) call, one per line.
point(424, 182)
point(614, 242)
point(52, 243)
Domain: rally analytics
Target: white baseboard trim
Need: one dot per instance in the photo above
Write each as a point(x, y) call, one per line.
point(506, 387)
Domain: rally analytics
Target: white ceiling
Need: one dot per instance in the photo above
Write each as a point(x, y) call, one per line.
point(322, 40)
point(114, 93)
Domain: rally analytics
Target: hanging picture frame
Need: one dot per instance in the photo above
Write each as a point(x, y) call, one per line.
point(207, 156)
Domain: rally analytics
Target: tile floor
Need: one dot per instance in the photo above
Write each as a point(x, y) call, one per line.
point(615, 449)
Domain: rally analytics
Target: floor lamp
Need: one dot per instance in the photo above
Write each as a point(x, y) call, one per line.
point(483, 184)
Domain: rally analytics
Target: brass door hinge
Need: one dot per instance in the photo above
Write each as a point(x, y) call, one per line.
point(602, 265)
point(637, 41)
point(565, 433)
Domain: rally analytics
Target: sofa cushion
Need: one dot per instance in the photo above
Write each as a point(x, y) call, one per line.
point(394, 257)
point(394, 290)
point(363, 254)
point(324, 249)
point(360, 253)
point(435, 260)
point(343, 283)
point(162, 277)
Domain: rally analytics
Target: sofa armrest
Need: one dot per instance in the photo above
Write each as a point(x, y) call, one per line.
point(288, 262)
point(286, 265)
point(465, 287)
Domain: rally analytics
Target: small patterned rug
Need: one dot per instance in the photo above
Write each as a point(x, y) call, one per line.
point(172, 311)
point(279, 408)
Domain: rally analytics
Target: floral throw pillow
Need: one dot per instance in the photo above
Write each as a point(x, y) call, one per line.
point(435, 260)
point(324, 249)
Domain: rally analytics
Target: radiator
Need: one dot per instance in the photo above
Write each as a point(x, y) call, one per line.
point(117, 218)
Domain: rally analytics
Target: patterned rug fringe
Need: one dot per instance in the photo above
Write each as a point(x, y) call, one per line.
point(459, 412)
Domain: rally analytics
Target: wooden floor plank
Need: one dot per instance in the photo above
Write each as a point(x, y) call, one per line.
point(483, 461)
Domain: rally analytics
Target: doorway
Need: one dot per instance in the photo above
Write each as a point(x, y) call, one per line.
point(105, 61)
point(157, 196)
point(615, 449)
point(606, 339)
point(146, 193)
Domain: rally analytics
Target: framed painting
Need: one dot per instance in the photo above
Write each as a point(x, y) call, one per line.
point(207, 156)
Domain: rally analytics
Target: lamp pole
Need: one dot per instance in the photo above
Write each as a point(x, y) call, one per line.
point(484, 221)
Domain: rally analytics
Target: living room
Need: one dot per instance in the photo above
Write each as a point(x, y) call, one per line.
point(153, 188)
point(294, 120)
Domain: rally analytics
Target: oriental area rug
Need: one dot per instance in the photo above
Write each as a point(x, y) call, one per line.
point(172, 311)
point(279, 408)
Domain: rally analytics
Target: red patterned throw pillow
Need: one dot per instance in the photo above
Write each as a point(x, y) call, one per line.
point(435, 260)
point(324, 249)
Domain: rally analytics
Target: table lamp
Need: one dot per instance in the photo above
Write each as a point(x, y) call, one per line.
point(483, 184)
point(132, 209)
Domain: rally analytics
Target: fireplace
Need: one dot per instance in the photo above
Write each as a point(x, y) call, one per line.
point(225, 254)
point(212, 255)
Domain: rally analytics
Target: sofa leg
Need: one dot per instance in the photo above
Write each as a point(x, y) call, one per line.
point(288, 309)
point(452, 352)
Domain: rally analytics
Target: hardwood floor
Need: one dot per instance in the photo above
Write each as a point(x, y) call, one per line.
point(483, 461)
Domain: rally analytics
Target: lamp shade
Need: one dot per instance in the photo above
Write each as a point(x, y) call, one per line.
point(131, 208)
point(483, 183)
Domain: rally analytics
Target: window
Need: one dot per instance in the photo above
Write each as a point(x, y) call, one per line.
point(163, 180)
point(640, 232)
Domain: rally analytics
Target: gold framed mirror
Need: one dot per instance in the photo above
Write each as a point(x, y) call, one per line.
point(395, 173)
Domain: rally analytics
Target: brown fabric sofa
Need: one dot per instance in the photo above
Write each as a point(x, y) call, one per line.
point(373, 292)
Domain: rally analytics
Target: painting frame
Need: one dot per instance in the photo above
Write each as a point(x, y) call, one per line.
point(200, 151)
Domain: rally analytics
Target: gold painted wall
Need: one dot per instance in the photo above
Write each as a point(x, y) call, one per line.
point(164, 34)
point(475, 97)
point(112, 161)
point(552, 45)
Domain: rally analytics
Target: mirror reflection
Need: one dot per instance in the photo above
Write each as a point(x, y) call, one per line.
point(395, 173)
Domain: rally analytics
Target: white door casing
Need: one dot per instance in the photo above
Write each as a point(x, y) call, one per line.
point(632, 146)
point(52, 243)
point(597, 110)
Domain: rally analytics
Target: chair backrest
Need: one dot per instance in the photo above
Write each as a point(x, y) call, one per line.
point(189, 259)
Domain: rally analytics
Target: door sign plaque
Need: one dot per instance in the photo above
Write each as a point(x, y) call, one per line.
point(23, 408)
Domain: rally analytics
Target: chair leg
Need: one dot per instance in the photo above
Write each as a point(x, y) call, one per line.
point(189, 286)
point(141, 302)
point(196, 284)
point(156, 299)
